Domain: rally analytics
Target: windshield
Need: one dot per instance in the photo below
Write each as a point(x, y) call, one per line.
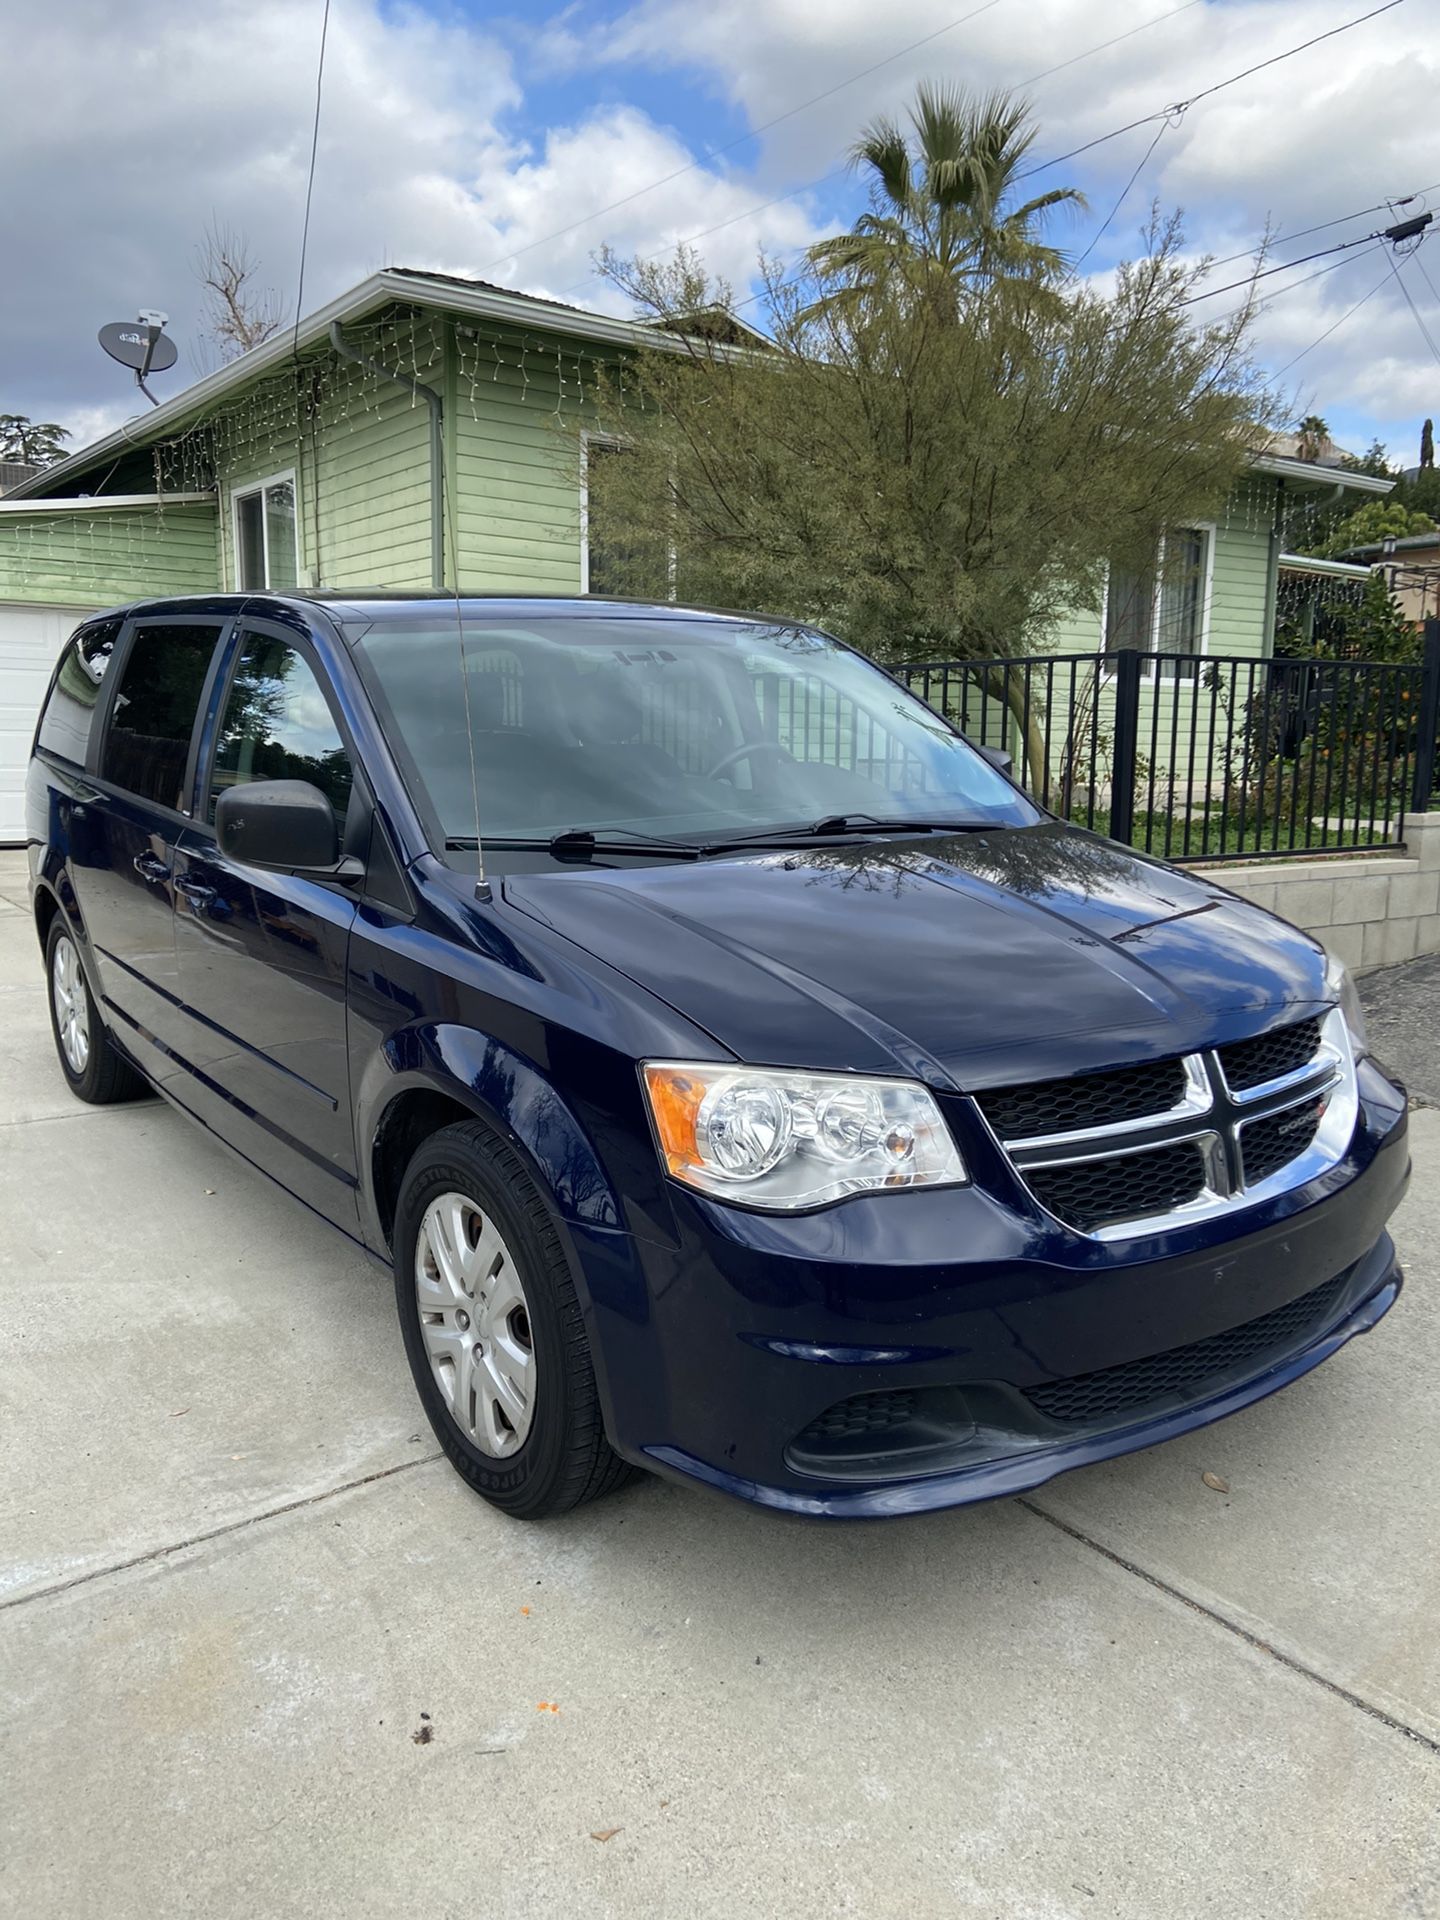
point(691, 728)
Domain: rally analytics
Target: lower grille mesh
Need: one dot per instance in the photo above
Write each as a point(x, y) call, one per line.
point(1092, 1193)
point(1115, 1391)
point(865, 1413)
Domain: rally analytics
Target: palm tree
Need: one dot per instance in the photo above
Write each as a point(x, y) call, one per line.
point(1314, 437)
point(941, 221)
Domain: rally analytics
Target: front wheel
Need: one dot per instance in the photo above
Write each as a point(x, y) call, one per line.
point(93, 1066)
point(493, 1330)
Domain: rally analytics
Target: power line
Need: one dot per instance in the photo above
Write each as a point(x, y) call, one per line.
point(1279, 293)
point(1420, 269)
point(1425, 333)
point(752, 133)
point(1303, 233)
point(835, 173)
point(1180, 106)
point(1099, 232)
point(1321, 338)
point(1283, 266)
point(310, 182)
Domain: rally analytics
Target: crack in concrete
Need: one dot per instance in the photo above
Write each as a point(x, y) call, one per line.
point(215, 1533)
point(1219, 1619)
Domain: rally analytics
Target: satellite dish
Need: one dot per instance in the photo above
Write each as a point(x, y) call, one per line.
point(142, 345)
point(143, 348)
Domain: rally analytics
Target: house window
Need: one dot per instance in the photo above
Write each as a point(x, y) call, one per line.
point(1160, 609)
point(609, 562)
point(266, 553)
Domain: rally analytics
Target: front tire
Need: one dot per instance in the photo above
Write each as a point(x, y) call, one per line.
point(94, 1068)
point(493, 1329)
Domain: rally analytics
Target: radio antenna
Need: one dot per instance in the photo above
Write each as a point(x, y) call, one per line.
point(482, 885)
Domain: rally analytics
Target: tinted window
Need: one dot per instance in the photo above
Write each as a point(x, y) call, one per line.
point(276, 726)
point(147, 740)
point(65, 723)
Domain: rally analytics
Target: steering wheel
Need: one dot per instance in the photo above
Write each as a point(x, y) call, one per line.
point(744, 752)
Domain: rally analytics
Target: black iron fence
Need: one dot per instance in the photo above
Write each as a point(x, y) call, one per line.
point(1202, 757)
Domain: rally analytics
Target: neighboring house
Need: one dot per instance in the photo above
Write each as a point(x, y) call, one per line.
point(1412, 567)
point(318, 459)
point(12, 472)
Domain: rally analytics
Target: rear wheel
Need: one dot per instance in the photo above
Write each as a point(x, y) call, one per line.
point(493, 1329)
point(93, 1066)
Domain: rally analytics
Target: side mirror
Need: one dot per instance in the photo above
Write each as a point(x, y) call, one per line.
point(998, 757)
point(286, 825)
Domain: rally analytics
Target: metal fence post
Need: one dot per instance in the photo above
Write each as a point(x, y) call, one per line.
point(1427, 720)
point(1127, 737)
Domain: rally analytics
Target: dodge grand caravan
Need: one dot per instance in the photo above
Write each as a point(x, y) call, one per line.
point(744, 1079)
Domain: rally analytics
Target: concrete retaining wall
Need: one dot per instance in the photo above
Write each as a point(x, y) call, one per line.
point(1371, 911)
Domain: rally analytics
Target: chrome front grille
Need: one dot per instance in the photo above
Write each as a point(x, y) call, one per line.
point(1180, 1140)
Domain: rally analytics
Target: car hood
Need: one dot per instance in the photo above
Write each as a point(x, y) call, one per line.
point(965, 960)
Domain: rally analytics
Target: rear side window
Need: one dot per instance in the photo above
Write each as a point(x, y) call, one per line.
point(147, 740)
point(277, 726)
point(65, 724)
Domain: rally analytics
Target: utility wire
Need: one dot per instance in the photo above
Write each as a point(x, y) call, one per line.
point(1425, 333)
point(1304, 233)
point(1321, 338)
point(836, 173)
point(1205, 93)
point(1160, 132)
point(1279, 293)
point(310, 181)
point(752, 133)
point(1283, 266)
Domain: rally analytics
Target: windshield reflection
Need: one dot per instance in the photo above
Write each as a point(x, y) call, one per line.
point(689, 727)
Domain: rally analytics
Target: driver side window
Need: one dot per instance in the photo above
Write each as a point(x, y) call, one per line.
point(277, 726)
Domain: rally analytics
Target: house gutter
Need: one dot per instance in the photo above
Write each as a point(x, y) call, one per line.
point(437, 443)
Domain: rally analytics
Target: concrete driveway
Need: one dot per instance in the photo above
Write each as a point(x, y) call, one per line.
point(261, 1653)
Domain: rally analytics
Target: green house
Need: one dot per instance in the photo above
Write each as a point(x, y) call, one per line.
point(320, 460)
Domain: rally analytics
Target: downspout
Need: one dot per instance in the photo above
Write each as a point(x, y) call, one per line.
point(437, 444)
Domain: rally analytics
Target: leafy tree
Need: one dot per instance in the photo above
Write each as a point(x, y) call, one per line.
point(922, 488)
point(1372, 523)
point(1427, 444)
point(943, 219)
point(33, 443)
point(1375, 628)
point(1372, 461)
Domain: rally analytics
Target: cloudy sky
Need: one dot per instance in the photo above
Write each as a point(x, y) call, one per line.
point(491, 140)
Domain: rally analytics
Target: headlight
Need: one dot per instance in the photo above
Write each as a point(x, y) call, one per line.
point(783, 1141)
point(1347, 998)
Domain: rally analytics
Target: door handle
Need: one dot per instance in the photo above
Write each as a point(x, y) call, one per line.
point(149, 868)
point(196, 892)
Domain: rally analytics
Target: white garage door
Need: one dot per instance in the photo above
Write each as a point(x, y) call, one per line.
point(30, 641)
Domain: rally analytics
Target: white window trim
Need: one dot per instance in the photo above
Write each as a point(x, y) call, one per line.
point(609, 444)
point(243, 492)
point(1206, 528)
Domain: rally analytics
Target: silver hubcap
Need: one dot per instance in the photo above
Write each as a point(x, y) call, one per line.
point(475, 1321)
point(72, 1017)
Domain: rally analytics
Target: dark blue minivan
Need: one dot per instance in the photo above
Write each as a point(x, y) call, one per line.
point(744, 1078)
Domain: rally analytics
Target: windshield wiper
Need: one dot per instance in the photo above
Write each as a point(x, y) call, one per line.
point(845, 823)
point(579, 843)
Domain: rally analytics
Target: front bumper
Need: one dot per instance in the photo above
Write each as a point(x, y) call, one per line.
point(734, 1343)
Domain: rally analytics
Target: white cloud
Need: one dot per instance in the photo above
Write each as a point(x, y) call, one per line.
point(123, 143)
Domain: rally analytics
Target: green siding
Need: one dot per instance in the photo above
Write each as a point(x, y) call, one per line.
point(76, 559)
point(362, 466)
point(1236, 618)
point(517, 470)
